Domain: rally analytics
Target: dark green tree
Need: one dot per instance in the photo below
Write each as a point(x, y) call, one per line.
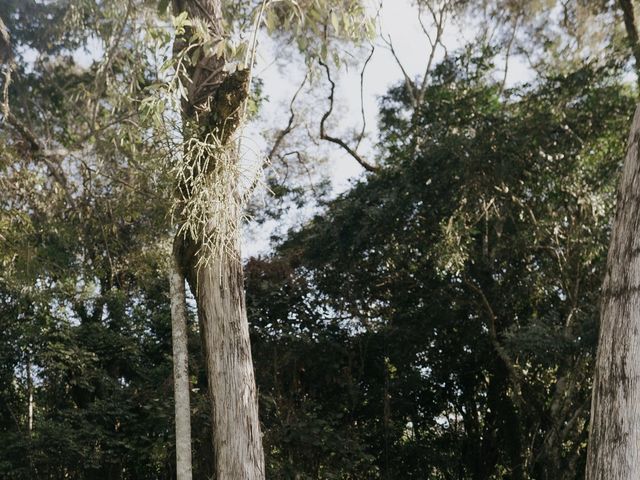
point(438, 320)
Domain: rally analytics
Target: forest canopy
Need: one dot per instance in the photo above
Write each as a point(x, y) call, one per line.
point(436, 319)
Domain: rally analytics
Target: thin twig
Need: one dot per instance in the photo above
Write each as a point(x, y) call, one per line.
point(100, 80)
point(302, 162)
point(119, 180)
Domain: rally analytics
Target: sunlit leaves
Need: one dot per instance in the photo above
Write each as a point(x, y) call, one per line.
point(316, 24)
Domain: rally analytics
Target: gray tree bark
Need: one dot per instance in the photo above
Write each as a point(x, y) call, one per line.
point(614, 440)
point(213, 107)
point(180, 369)
point(223, 319)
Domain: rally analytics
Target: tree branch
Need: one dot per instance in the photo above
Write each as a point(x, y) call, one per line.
point(438, 20)
point(286, 130)
point(39, 150)
point(508, 53)
point(324, 136)
point(407, 79)
point(364, 119)
point(493, 335)
point(6, 60)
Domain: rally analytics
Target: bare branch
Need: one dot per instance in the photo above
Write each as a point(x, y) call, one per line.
point(5, 44)
point(285, 131)
point(323, 135)
point(100, 81)
point(100, 173)
point(301, 161)
point(5, 90)
point(425, 30)
point(407, 79)
point(364, 119)
point(439, 21)
point(508, 53)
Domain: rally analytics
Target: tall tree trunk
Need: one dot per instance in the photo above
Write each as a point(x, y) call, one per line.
point(212, 109)
point(236, 430)
point(180, 368)
point(614, 440)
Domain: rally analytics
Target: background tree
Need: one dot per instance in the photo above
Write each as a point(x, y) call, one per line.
point(446, 304)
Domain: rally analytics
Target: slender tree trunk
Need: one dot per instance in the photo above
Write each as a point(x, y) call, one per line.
point(213, 108)
point(631, 28)
point(386, 416)
point(29, 396)
point(180, 369)
point(614, 440)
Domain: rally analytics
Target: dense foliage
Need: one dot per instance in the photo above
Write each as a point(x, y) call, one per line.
point(436, 321)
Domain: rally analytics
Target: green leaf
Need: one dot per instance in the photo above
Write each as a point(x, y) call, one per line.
point(270, 21)
point(180, 21)
point(346, 20)
point(336, 59)
point(335, 22)
point(323, 52)
point(195, 57)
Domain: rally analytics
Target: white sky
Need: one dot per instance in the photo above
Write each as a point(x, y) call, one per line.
point(398, 19)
